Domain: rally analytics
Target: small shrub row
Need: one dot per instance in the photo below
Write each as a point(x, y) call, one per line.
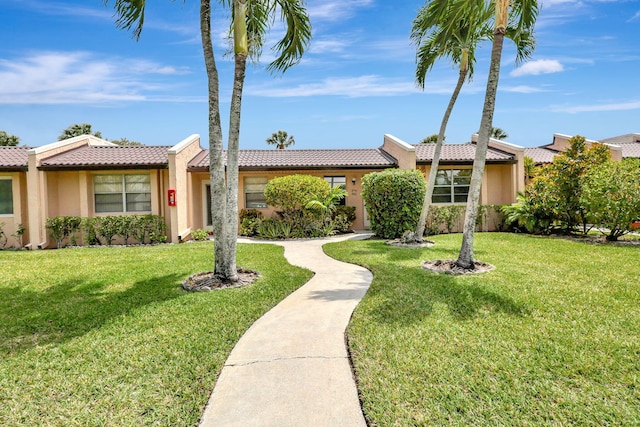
point(450, 219)
point(17, 235)
point(143, 229)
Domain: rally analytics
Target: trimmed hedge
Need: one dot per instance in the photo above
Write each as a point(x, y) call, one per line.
point(146, 229)
point(394, 200)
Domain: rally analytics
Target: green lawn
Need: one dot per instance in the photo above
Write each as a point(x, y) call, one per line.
point(107, 337)
point(551, 337)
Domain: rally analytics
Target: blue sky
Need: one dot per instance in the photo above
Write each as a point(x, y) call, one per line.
point(64, 62)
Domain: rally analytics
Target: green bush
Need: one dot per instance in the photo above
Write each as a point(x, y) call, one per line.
point(199, 235)
point(611, 194)
point(272, 228)
point(144, 228)
point(250, 214)
point(3, 236)
point(61, 227)
point(445, 218)
point(394, 200)
point(293, 192)
point(349, 212)
point(249, 226)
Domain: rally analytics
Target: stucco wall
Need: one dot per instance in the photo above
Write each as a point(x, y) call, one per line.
point(354, 191)
point(20, 214)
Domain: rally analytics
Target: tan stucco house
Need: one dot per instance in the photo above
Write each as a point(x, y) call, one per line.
point(87, 176)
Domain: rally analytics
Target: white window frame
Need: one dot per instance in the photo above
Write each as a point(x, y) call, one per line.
point(331, 180)
point(13, 210)
point(452, 186)
point(246, 205)
point(123, 193)
point(205, 214)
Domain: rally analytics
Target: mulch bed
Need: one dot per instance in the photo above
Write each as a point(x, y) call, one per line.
point(448, 266)
point(402, 244)
point(208, 281)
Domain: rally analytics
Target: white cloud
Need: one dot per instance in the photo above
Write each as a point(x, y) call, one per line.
point(80, 77)
point(590, 108)
point(635, 17)
point(333, 10)
point(369, 85)
point(522, 89)
point(541, 66)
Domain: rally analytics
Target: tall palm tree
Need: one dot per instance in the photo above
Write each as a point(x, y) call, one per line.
point(515, 18)
point(250, 21)
point(442, 32)
point(281, 139)
point(498, 133)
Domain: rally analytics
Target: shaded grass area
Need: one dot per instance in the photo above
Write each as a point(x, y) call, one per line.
point(551, 337)
point(107, 336)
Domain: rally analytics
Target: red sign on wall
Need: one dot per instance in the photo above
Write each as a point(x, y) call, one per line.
point(171, 197)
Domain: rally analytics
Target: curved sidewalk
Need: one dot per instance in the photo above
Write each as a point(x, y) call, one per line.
point(291, 367)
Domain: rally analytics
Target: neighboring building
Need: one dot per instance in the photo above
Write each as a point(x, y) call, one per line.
point(87, 176)
point(622, 147)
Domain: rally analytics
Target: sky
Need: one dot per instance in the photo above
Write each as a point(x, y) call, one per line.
point(64, 62)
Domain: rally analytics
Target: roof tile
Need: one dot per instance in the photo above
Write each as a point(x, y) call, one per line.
point(458, 153)
point(110, 157)
point(540, 154)
point(354, 158)
point(13, 158)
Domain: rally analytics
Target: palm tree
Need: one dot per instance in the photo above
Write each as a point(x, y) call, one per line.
point(498, 133)
point(431, 139)
point(78, 129)
point(250, 21)
point(515, 19)
point(281, 140)
point(441, 31)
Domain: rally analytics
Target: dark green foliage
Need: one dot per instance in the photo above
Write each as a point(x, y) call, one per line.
point(394, 200)
point(307, 207)
point(199, 235)
point(143, 228)
point(348, 211)
point(250, 220)
point(249, 213)
point(554, 198)
point(611, 194)
point(293, 192)
point(61, 227)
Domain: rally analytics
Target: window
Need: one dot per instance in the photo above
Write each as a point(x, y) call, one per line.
point(452, 186)
point(254, 192)
point(122, 193)
point(6, 196)
point(338, 181)
point(207, 196)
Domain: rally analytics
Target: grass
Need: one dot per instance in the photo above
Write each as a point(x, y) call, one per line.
point(97, 337)
point(550, 338)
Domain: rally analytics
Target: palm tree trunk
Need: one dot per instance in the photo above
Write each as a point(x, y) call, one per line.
point(436, 155)
point(216, 153)
point(228, 266)
point(465, 258)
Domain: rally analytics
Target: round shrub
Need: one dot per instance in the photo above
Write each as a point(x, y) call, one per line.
point(394, 200)
point(292, 193)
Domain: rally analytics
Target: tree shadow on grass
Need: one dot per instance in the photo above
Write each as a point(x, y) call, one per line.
point(73, 308)
point(409, 295)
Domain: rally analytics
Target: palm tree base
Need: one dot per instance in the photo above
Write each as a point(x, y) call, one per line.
point(450, 266)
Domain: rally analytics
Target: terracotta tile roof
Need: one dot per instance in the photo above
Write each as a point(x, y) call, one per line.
point(13, 158)
point(630, 149)
point(300, 159)
point(103, 157)
point(540, 154)
point(458, 153)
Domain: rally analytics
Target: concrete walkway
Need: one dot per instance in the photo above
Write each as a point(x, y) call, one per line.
point(291, 367)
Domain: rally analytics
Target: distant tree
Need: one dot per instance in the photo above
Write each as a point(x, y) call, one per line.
point(77, 130)
point(126, 143)
point(498, 133)
point(281, 140)
point(432, 139)
point(8, 140)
